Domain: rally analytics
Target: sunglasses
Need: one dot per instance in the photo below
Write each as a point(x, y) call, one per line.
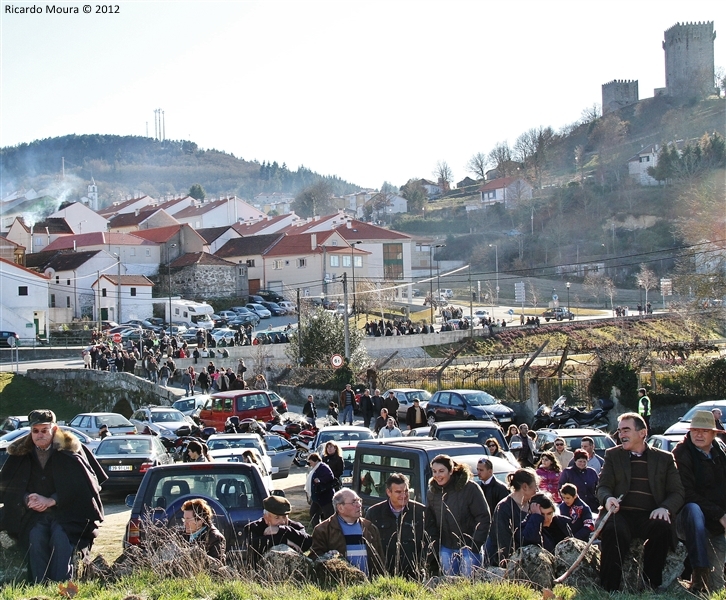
point(492, 445)
point(559, 444)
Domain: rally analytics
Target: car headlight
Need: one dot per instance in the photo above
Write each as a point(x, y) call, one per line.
point(165, 432)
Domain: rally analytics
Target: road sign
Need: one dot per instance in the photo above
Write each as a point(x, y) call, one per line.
point(336, 360)
point(519, 295)
point(666, 287)
point(117, 338)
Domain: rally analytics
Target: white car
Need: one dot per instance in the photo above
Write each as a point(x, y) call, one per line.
point(223, 333)
point(259, 310)
point(481, 314)
point(229, 447)
point(290, 307)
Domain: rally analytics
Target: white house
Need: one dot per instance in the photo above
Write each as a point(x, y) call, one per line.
point(638, 165)
point(433, 190)
point(505, 190)
point(127, 206)
point(217, 213)
point(23, 300)
point(81, 218)
point(132, 297)
point(38, 236)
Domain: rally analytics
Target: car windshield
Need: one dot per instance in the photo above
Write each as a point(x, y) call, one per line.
point(114, 420)
point(422, 395)
point(231, 443)
point(182, 405)
point(479, 398)
point(688, 417)
point(167, 416)
point(231, 489)
point(339, 436)
point(11, 435)
point(124, 446)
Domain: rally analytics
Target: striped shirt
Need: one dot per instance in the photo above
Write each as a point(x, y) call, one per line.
point(355, 547)
point(640, 496)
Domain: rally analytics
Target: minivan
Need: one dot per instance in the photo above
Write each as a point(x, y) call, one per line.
point(245, 404)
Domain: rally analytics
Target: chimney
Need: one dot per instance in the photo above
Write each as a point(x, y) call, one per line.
point(137, 211)
point(74, 245)
point(314, 240)
point(349, 224)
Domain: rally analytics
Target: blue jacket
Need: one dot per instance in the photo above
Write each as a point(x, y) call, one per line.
point(586, 483)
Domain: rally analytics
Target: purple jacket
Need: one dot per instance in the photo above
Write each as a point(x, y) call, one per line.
point(586, 483)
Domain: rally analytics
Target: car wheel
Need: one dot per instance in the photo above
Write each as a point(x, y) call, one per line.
point(547, 320)
point(430, 419)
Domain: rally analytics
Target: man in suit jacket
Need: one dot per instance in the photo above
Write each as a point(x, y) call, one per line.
point(642, 488)
point(494, 490)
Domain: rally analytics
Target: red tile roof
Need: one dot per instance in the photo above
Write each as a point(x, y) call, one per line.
point(115, 208)
point(159, 235)
point(297, 244)
point(131, 219)
point(497, 184)
point(367, 232)
point(200, 258)
point(4, 262)
point(97, 238)
point(248, 246)
point(253, 228)
point(128, 279)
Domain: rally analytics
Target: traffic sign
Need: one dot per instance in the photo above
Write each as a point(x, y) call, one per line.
point(336, 360)
point(519, 291)
point(117, 338)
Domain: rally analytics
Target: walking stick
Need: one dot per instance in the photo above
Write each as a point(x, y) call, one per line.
point(593, 537)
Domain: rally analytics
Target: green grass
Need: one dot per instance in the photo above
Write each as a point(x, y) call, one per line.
point(19, 395)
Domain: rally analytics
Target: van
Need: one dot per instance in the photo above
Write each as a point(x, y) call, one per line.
point(245, 404)
point(445, 294)
point(376, 459)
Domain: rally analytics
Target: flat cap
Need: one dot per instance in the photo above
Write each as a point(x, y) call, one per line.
point(277, 505)
point(39, 416)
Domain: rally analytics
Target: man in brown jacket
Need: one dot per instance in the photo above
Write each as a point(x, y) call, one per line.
point(642, 488)
point(354, 537)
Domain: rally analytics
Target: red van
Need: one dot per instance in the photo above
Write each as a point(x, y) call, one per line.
point(245, 404)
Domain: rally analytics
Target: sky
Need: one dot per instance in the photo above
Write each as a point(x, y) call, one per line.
point(370, 91)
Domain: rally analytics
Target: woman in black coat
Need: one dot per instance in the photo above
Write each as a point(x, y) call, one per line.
point(333, 457)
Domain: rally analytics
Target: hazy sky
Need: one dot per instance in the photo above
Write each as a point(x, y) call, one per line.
point(366, 90)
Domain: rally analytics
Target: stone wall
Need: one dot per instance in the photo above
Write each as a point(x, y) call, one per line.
point(619, 93)
point(689, 59)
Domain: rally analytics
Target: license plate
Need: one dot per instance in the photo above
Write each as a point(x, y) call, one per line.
point(120, 468)
point(346, 480)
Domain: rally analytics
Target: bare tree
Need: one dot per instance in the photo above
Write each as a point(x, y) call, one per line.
point(501, 157)
point(533, 294)
point(591, 113)
point(610, 291)
point(580, 161)
point(443, 175)
point(647, 280)
point(477, 165)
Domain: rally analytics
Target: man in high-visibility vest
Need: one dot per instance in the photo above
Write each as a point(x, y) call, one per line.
point(644, 408)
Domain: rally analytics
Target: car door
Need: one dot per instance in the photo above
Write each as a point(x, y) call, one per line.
point(281, 453)
point(457, 407)
point(442, 410)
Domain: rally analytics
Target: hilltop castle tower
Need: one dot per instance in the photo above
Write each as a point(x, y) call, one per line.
point(689, 61)
point(619, 93)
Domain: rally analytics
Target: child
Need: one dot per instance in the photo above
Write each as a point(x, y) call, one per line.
point(578, 511)
point(333, 411)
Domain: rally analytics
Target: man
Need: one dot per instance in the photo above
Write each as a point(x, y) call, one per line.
point(381, 421)
point(50, 486)
point(494, 490)
point(273, 529)
point(390, 430)
point(562, 454)
point(593, 460)
point(377, 401)
point(400, 522)
point(309, 411)
point(390, 403)
point(642, 488)
point(415, 415)
point(346, 403)
point(644, 406)
point(525, 454)
point(717, 414)
point(366, 407)
point(702, 466)
point(355, 538)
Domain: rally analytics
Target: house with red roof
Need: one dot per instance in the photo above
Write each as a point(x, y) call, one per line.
point(124, 298)
point(247, 252)
point(268, 225)
point(35, 237)
point(23, 301)
point(81, 218)
point(215, 213)
point(174, 240)
point(149, 218)
point(127, 206)
point(505, 190)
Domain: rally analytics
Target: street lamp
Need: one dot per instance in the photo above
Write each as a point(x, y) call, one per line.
point(168, 266)
point(496, 262)
point(431, 277)
point(567, 285)
point(352, 262)
point(118, 283)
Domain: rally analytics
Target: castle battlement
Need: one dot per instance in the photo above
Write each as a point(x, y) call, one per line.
point(619, 93)
point(620, 81)
point(689, 59)
point(690, 28)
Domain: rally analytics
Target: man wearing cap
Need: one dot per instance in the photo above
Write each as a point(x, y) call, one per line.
point(642, 489)
point(50, 486)
point(702, 466)
point(273, 529)
point(415, 415)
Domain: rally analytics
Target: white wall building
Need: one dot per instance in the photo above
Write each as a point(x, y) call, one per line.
point(23, 300)
point(135, 297)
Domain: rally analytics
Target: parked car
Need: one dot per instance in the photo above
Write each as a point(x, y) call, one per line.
point(472, 432)
point(340, 434)
point(15, 422)
point(573, 437)
point(230, 447)
point(10, 436)
point(664, 442)
point(233, 490)
point(244, 316)
point(190, 406)
point(282, 452)
point(457, 405)
point(278, 402)
point(405, 398)
point(348, 451)
point(682, 426)
point(162, 420)
point(255, 298)
point(376, 459)
point(260, 310)
point(290, 307)
point(90, 423)
point(269, 296)
point(227, 315)
point(245, 404)
point(481, 314)
point(558, 314)
point(144, 324)
point(126, 458)
point(274, 308)
point(223, 333)
point(8, 339)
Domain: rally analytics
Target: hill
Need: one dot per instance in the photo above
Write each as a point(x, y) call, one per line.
point(122, 165)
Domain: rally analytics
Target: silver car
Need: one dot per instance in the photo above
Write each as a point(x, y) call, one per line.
point(90, 423)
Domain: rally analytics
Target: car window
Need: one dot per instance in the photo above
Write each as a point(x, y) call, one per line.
point(443, 398)
point(76, 421)
point(422, 395)
point(124, 446)
point(252, 402)
point(479, 399)
point(456, 400)
point(164, 417)
point(231, 490)
point(223, 404)
point(112, 420)
point(375, 469)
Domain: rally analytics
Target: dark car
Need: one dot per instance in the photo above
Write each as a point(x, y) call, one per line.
point(10, 436)
point(458, 405)
point(144, 324)
point(233, 490)
point(558, 314)
point(269, 296)
point(8, 339)
point(14, 422)
point(126, 458)
point(274, 308)
point(244, 316)
point(471, 432)
point(375, 460)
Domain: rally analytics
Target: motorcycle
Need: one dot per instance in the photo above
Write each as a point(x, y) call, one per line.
point(541, 417)
point(562, 416)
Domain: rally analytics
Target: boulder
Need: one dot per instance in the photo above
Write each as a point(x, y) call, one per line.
point(281, 563)
point(331, 571)
point(13, 567)
point(533, 564)
point(587, 574)
point(633, 566)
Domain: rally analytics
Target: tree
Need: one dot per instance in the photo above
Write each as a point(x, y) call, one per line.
point(323, 335)
point(647, 280)
point(415, 195)
point(501, 157)
point(443, 175)
point(315, 200)
point(197, 192)
point(477, 165)
point(591, 114)
point(388, 188)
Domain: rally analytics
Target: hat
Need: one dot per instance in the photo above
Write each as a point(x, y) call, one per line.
point(43, 415)
point(277, 505)
point(417, 399)
point(704, 419)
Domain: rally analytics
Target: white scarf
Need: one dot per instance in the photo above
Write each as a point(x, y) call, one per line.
point(309, 480)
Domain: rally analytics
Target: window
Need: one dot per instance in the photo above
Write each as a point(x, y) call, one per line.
point(68, 301)
point(57, 279)
point(133, 291)
point(302, 263)
point(358, 261)
point(346, 261)
point(393, 261)
point(148, 252)
point(334, 243)
point(68, 282)
point(103, 292)
point(52, 300)
point(334, 261)
point(250, 262)
point(277, 264)
point(133, 251)
point(23, 290)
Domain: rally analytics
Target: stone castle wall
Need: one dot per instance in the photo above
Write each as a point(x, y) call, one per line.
point(689, 59)
point(619, 93)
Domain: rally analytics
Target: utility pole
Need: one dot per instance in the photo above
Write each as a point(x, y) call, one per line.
point(346, 324)
point(299, 331)
point(98, 305)
point(118, 308)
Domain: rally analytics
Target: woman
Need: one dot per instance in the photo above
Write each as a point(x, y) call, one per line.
point(494, 448)
point(260, 382)
point(204, 381)
point(548, 471)
point(511, 431)
point(509, 514)
point(199, 529)
point(319, 489)
point(333, 457)
point(562, 454)
point(457, 516)
point(584, 478)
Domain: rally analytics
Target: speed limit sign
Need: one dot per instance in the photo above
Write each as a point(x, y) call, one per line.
point(117, 338)
point(336, 360)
